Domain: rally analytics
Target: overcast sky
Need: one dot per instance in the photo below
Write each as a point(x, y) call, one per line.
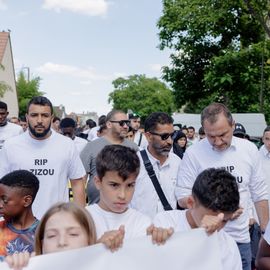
point(78, 47)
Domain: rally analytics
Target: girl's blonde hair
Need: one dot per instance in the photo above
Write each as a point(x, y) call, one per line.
point(79, 213)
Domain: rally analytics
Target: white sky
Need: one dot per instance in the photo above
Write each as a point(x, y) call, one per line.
point(78, 47)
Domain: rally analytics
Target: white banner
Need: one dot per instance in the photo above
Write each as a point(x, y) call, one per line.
point(192, 250)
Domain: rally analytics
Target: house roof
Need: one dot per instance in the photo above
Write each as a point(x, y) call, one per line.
point(4, 36)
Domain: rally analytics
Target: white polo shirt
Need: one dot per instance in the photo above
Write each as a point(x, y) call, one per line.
point(242, 160)
point(145, 198)
point(265, 158)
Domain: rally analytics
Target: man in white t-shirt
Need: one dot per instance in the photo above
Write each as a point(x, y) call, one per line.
point(7, 129)
point(191, 137)
point(265, 155)
point(135, 123)
point(67, 127)
point(158, 131)
point(214, 195)
point(52, 157)
point(117, 168)
point(241, 158)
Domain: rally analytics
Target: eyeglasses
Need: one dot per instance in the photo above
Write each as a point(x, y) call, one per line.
point(163, 136)
point(122, 122)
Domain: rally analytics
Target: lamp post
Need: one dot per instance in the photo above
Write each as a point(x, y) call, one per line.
point(28, 73)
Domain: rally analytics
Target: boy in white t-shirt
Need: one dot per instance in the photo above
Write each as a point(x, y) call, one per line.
point(214, 195)
point(117, 169)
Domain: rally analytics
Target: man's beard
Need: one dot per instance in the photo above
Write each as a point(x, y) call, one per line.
point(4, 123)
point(38, 134)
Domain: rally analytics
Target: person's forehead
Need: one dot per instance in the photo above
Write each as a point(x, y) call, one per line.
point(164, 128)
point(136, 119)
point(120, 116)
point(39, 108)
point(7, 190)
point(2, 111)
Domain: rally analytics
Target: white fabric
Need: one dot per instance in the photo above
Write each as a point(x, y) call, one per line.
point(191, 250)
point(8, 131)
point(145, 198)
point(265, 158)
point(242, 160)
point(144, 142)
point(266, 235)
point(80, 143)
point(54, 161)
point(135, 222)
point(176, 219)
point(92, 134)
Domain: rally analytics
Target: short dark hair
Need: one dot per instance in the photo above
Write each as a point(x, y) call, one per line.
point(111, 114)
point(40, 100)
point(133, 116)
point(266, 129)
point(156, 118)
point(217, 190)
point(102, 120)
point(91, 123)
point(24, 180)
point(211, 112)
point(191, 127)
point(3, 105)
point(67, 122)
point(119, 158)
point(55, 118)
point(201, 131)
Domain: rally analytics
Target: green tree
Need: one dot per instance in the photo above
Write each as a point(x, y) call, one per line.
point(26, 90)
point(207, 37)
point(142, 95)
point(3, 85)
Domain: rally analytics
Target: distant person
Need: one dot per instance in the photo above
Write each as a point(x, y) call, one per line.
point(18, 190)
point(201, 133)
point(23, 123)
point(90, 123)
point(191, 137)
point(116, 130)
point(184, 130)
point(239, 131)
point(7, 129)
point(55, 123)
point(53, 158)
point(179, 143)
point(94, 133)
point(214, 195)
point(67, 127)
point(15, 120)
point(135, 123)
point(131, 134)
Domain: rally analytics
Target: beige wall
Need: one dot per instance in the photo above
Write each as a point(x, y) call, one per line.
point(8, 75)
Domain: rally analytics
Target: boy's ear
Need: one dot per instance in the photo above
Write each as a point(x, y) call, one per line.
point(190, 202)
point(27, 200)
point(97, 182)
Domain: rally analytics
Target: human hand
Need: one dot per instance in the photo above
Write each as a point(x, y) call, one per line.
point(113, 240)
point(159, 235)
point(19, 260)
point(212, 223)
point(237, 213)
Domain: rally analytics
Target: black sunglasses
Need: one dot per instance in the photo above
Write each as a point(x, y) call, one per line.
point(163, 136)
point(122, 122)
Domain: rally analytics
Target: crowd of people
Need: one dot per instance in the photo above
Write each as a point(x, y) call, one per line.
point(128, 182)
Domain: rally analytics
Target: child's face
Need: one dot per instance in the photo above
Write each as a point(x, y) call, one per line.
point(12, 202)
point(115, 194)
point(198, 212)
point(63, 232)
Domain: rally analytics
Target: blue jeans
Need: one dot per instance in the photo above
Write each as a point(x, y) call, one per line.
point(245, 252)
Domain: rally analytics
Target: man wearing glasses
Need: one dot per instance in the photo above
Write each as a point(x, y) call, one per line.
point(159, 132)
point(117, 125)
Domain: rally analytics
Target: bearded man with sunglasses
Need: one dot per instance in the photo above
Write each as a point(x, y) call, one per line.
point(117, 125)
point(159, 132)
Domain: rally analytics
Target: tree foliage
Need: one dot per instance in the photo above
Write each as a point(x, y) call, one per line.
point(26, 90)
point(142, 95)
point(219, 53)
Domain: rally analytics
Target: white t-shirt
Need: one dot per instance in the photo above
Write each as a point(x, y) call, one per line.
point(242, 160)
point(80, 143)
point(265, 158)
point(230, 256)
point(266, 235)
point(145, 198)
point(54, 161)
point(135, 222)
point(8, 131)
point(144, 142)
